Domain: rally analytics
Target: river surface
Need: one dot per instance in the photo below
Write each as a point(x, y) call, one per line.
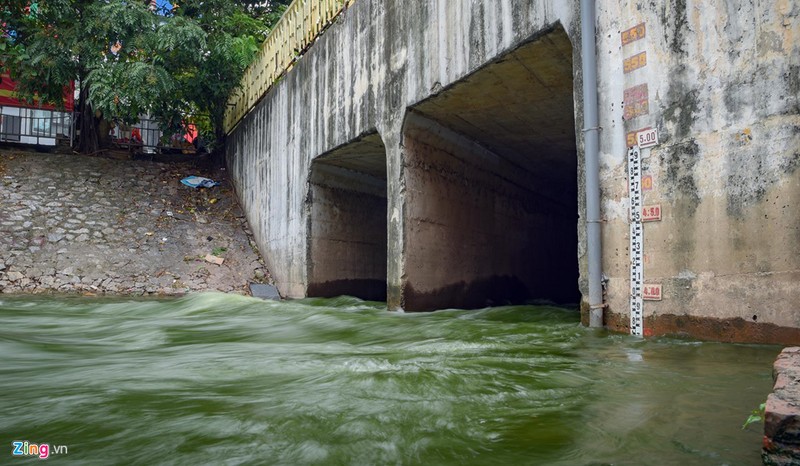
point(221, 379)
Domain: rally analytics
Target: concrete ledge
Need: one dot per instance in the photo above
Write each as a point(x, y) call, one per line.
point(782, 413)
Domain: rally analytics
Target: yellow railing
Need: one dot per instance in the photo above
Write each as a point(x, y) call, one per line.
point(299, 26)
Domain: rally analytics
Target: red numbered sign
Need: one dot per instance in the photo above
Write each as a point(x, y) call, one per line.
point(651, 292)
point(651, 213)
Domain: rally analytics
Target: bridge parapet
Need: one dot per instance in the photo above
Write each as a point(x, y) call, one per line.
point(297, 29)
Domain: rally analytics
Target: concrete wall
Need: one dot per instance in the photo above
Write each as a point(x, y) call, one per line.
point(722, 89)
point(723, 80)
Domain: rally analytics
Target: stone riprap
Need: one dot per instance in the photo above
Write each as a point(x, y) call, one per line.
point(782, 413)
point(90, 225)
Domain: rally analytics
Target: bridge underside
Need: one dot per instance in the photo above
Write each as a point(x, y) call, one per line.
point(347, 237)
point(490, 194)
point(491, 179)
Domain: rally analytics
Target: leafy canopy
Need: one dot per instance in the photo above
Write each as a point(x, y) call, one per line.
point(131, 58)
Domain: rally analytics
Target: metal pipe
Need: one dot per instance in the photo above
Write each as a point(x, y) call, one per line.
point(591, 148)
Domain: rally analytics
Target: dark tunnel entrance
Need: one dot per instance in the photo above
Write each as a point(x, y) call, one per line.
point(491, 172)
point(347, 230)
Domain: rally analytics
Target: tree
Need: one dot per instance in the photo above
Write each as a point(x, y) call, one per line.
point(267, 12)
point(234, 30)
point(233, 37)
point(130, 59)
point(146, 58)
point(52, 45)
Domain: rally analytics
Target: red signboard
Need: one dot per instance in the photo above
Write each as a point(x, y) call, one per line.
point(651, 292)
point(651, 213)
point(8, 96)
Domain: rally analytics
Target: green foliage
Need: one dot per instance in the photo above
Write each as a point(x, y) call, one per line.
point(218, 251)
point(757, 415)
point(129, 89)
point(268, 13)
point(130, 60)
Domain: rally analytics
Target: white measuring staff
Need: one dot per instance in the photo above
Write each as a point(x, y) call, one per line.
point(637, 240)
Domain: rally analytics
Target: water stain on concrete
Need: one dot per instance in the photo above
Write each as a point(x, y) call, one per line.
point(679, 182)
point(370, 290)
point(492, 291)
point(731, 330)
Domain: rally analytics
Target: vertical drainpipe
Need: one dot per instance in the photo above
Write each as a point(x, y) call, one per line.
point(591, 138)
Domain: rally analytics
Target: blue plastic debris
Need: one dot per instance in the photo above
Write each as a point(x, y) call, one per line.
point(199, 182)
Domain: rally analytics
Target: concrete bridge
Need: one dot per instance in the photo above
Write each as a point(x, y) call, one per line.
point(430, 153)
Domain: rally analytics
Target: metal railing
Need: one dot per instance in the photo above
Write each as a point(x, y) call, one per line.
point(147, 137)
point(50, 127)
point(34, 126)
point(297, 29)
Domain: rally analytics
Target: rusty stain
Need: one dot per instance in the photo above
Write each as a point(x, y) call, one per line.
point(729, 330)
point(744, 136)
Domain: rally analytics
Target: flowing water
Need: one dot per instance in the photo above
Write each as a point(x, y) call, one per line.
point(220, 379)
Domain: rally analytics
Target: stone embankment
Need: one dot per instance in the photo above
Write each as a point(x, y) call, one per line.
point(90, 225)
point(782, 413)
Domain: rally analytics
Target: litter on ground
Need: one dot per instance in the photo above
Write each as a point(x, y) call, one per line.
point(199, 182)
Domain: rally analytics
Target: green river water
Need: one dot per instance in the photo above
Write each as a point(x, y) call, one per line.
point(222, 379)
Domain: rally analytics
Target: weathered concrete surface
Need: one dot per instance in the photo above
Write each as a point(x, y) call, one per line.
point(722, 90)
point(724, 84)
point(76, 224)
point(362, 75)
point(782, 412)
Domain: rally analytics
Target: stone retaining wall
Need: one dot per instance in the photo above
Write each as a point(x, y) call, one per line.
point(77, 224)
point(782, 413)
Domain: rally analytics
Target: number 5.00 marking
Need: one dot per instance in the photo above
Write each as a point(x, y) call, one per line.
point(647, 138)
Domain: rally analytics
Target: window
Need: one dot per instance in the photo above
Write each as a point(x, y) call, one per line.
point(40, 122)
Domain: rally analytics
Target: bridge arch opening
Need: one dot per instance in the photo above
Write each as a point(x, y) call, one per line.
point(491, 174)
point(347, 246)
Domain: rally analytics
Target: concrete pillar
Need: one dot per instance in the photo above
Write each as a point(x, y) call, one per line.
point(396, 218)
